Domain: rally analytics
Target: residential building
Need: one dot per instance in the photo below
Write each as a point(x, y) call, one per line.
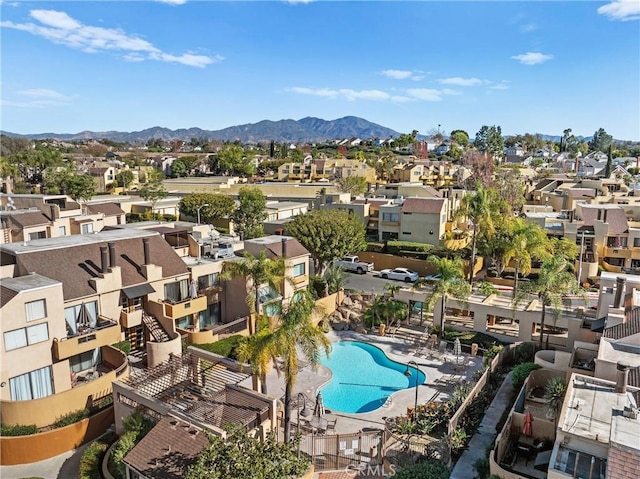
point(419, 220)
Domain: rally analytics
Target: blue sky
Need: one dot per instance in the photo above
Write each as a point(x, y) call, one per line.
point(528, 66)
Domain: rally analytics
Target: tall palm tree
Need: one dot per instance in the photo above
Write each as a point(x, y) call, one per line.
point(480, 208)
point(260, 270)
point(296, 333)
point(554, 281)
point(335, 276)
point(527, 242)
point(451, 284)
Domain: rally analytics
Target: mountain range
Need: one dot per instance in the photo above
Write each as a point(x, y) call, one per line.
point(307, 129)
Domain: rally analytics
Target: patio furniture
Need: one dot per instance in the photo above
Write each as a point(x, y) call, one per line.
point(331, 425)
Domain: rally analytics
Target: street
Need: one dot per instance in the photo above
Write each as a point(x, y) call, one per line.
point(370, 282)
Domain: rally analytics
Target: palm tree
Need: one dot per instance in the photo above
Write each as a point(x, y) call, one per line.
point(297, 332)
point(554, 393)
point(527, 241)
point(335, 277)
point(451, 284)
point(260, 270)
point(554, 281)
point(258, 351)
point(479, 208)
point(392, 289)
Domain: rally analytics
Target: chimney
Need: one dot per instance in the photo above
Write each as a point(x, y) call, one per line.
point(622, 377)
point(55, 212)
point(147, 254)
point(112, 253)
point(284, 248)
point(617, 302)
point(104, 261)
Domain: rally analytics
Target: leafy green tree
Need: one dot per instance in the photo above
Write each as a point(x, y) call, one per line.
point(124, 179)
point(251, 212)
point(32, 163)
point(460, 137)
point(178, 168)
point(190, 162)
point(489, 140)
point(296, 155)
point(553, 282)
point(600, 141)
point(80, 187)
point(607, 170)
point(450, 285)
point(153, 190)
point(328, 234)
point(231, 159)
point(297, 333)
point(220, 206)
point(354, 185)
point(243, 456)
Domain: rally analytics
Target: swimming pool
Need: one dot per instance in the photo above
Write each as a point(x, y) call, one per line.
point(363, 377)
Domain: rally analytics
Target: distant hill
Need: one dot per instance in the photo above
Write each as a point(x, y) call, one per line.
point(305, 130)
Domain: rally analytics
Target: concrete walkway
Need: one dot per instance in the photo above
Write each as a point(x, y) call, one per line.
point(64, 466)
point(486, 433)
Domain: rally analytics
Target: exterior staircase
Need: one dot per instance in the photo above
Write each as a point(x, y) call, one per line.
point(158, 333)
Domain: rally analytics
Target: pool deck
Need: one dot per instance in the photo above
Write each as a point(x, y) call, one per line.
point(442, 377)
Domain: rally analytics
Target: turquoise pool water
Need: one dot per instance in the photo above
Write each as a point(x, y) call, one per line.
point(363, 377)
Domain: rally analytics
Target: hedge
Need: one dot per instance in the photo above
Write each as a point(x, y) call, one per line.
point(91, 460)
point(18, 430)
point(225, 347)
point(124, 346)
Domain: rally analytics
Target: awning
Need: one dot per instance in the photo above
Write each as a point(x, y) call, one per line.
point(598, 325)
point(138, 291)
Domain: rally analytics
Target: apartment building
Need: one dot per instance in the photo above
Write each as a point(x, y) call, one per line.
point(66, 300)
point(329, 169)
point(419, 220)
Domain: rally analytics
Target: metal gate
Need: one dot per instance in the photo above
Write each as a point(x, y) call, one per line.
point(330, 452)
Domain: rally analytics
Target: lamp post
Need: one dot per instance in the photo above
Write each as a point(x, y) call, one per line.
point(407, 373)
point(198, 210)
point(305, 413)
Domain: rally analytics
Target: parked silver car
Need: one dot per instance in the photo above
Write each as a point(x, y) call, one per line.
point(400, 274)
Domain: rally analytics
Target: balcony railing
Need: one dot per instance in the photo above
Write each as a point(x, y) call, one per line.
point(131, 317)
point(185, 307)
point(106, 332)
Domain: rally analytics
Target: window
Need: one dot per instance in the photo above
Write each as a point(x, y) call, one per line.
point(207, 281)
point(35, 310)
point(406, 232)
point(87, 228)
point(176, 291)
point(299, 270)
point(390, 217)
point(87, 360)
point(636, 242)
point(34, 385)
point(15, 339)
point(79, 320)
point(37, 235)
point(26, 336)
point(210, 316)
point(62, 231)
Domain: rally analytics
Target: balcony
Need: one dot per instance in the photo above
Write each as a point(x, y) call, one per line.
point(617, 252)
point(105, 333)
point(131, 317)
point(185, 307)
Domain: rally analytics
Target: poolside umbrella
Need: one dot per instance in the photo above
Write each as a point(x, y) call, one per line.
point(193, 290)
point(527, 425)
point(457, 349)
point(318, 409)
point(84, 318)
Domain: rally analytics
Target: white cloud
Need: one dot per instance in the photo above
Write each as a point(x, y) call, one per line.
point(532, 58)
point(401, 99)
point(503, 85)
point(38, 97)
point(623, 10)
point(346, 93)
point(425, 94)
point(449, 91)
point(461, 81)
point(60, 28)
point(528, 27)
point(402, 75)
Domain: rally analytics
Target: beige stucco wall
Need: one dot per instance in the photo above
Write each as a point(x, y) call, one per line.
point(423, 228)
point(36, 356)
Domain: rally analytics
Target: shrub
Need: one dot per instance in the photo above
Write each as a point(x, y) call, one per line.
point(71, 418)
point(431, 468)
point(491, 353)
point(458, 440)
point(520, 374)
point(124, 346)
point(317, 286)
point(18, 430)
point(91, 460)
point(125, 444)
point(225, 347)
point(397, 247)
point(482, 468)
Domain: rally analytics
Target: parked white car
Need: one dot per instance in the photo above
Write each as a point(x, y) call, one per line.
point(401, 274)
